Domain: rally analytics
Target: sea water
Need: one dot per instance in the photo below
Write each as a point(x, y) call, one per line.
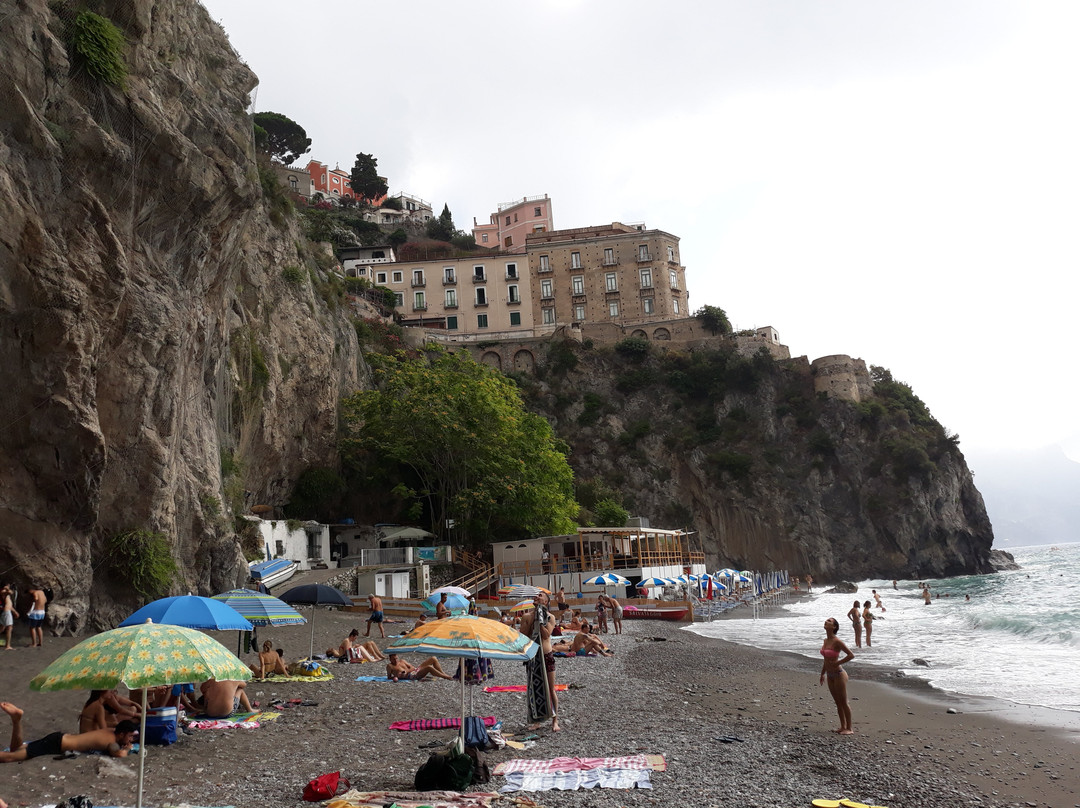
point(1017, 639)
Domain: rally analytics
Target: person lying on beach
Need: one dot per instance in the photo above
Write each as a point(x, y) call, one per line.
point(222, 699)
point(398, 669)
point(116, 742)
point(582, 644)
point(352, 648)
point(269, 662)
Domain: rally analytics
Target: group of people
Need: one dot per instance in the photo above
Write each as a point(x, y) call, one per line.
point(35, 616)
point(862, 619)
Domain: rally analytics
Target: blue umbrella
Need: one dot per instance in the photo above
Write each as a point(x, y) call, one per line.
point(259, 609)
point(316, 595)
point(455, 603)
point(190, 611)
point(656, 582)
point(607, 579)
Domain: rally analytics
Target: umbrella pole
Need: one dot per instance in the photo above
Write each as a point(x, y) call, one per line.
point(142, 749)
point(311, 648)
point(461, 673)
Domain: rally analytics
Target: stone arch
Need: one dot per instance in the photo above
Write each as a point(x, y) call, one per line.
point(492, 359)
point(640, 334)
point(524, 361)
point(661, 333)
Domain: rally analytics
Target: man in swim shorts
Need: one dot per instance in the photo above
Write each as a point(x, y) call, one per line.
point(116, 742)
point(7, 616)
point(222, 699)
point(398, 669)
point(375, 602)
point(36, 616)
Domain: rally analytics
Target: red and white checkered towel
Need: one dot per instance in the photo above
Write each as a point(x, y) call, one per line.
point(654, 763)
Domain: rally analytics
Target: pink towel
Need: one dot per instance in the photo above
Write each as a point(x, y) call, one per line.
point(436, 723)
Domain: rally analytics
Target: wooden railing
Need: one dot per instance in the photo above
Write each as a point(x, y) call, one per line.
point(610, 561)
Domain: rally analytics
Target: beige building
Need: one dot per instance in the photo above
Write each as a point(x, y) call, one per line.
point(617, 273)
point(481, 297)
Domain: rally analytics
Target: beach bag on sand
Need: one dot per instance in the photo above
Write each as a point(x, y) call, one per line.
point(476, 734)
point(445, 770)
point(481, 772)
point(325, 787)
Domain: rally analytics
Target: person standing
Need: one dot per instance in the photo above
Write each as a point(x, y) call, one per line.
point(809, 583)
point(616, 613)
point(855, 616)
point(441, 609)
point(877, 599)
point(376, 616)
point(8, 617)
point(926, 595)
point(834, 674)
point(543, 703)
point(36, 616)
point(601, 615)
point(868, 622)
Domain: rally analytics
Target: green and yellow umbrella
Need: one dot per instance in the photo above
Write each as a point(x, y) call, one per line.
point(142, 656)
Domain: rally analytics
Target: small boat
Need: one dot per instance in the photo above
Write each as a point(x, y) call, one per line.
point(654, 613)
point(273, 572)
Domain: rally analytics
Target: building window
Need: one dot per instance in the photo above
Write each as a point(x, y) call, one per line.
point(478, 272)
point(545, 265)
point(511, 271)
point(380, 277)
point(536, 212)
point(613, 308)
point(671, 254)
point(545, 288)
point(451, 323)
point(515, 318)
point(575, 260)
point(577, 283)
point(508, 220)
point(609, 256)
point(483, 237)
point(418, 301)
point(512, 294)
point(448, 275)
point(674, 306)
point(643, 252)
point(481, 296)
point(293, 183)
point(451, 298)
point(579, 312)
point(481, 321)
point(646, 279)
point(549, 316)
point(399, 276)
point(508, 241)
point(674, 279)
point(399, 299)
point(647, 304)
point(611, 282)
point(418, 277)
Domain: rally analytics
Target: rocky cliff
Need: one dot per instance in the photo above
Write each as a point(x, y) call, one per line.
point(149, 331)
point(770, 473)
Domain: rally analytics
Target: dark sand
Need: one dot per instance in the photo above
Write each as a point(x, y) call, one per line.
point(672, 697)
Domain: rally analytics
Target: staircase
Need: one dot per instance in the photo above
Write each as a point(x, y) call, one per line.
point(480, 573)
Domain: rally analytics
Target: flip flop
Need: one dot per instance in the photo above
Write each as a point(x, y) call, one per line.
point(853, 804)
point(826, 803)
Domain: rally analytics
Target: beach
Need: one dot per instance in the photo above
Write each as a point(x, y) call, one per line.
point(666, 691)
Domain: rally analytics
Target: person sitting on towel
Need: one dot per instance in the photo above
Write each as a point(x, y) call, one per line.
point(352, 649)
point(398, 669)
point(582, 645)
point(269, 662)
point(116, 742)
point(222, 699)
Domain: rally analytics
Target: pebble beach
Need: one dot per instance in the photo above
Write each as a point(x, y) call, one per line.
point(736, 725)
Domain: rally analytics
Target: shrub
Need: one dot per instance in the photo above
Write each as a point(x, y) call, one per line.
point(821, 442)
point(594, 403)
point(97, 47)
point(143, 559)
point(561, 357)
point(293, 275)
point(610, 513)
point(635, 348)
point(634, 432)
point(733, 463)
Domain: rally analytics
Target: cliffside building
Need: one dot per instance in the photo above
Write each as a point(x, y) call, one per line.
point(617, 273)
point(513, 223)
point(296, 179)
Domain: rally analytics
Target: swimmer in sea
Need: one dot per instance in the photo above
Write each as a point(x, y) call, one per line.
point(855, 616)
point(834, 674)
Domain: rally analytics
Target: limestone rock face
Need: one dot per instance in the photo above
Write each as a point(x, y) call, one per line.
point(145, 326)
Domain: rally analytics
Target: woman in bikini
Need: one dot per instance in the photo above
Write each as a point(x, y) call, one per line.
point(94, 715)
point(269, 662)
point(868, 622)
point(855, 616)
point(834, 674)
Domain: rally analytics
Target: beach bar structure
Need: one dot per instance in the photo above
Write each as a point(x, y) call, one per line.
point(635, 553)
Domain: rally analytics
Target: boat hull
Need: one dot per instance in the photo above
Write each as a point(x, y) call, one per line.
point(271, 573)
point(655, 614)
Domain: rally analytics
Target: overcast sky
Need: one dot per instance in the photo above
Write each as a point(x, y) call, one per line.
point(897, 182)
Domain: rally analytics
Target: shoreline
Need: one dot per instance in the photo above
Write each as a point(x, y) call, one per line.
point(664, 692)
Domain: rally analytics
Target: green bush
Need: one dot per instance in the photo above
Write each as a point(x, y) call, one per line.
point(561, 357)
point(733, 463)
point(634, 432)
point(143, 559)
point(357, 286)
point(97, 47)
point(635, 348)
point(594, 404)
point(610, 513)
point(293, 275)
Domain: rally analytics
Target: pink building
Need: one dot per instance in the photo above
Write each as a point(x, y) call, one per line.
point(513, 223)
point(333, 183)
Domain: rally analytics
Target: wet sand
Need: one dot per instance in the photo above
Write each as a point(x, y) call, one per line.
point(666, 691)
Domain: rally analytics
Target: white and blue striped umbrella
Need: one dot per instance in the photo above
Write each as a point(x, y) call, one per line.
point(715, 581)
point(727, 572)
point(607, 579)
point(656, 582)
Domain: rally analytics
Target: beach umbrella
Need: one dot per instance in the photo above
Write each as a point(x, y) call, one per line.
point(451, 590)
point(607, 579)
point(526, 591)
point(524, 606)
point(467, 637)
point(656, 582)
point(316, 595)
point(455, 603)
point(259, 609)
point(727, 572)
point(190, 611)
point(142, 656)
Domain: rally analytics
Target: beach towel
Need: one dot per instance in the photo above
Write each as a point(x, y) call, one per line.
point(517, 688)
point(222, 723)
point(274, 677)
point(654, 763)
point(572, 781)
point(537, 696)
point(415, 799)
point(384, 680)
point(567, 655)
point(436, 723)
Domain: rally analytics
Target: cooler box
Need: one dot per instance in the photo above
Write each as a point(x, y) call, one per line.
point(160, 726)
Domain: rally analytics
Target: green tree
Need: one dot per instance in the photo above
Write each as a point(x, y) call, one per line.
point(464, 446)
point(285, 139)
point(397, 238)
point(610, 513)
point(441, 228)
point(365, 180)
point(713, 319)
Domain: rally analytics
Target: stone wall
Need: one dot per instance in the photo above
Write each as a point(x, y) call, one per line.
point(840, 376)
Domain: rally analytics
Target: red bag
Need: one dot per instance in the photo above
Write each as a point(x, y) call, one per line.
point(326, 786)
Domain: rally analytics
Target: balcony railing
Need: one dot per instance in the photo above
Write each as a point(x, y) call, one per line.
point(610, 262)
point(600, 561)
point(417, 284)
point(480, 304)
point(450, 306)
point(419, 307)
point(642, 257)
point(478, 279)
point(544, 268)
point(513, 301)
point(576, 266)
point(449, 281)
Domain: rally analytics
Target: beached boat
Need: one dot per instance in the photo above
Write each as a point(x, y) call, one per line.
point(273, 572)
point(659, 613)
